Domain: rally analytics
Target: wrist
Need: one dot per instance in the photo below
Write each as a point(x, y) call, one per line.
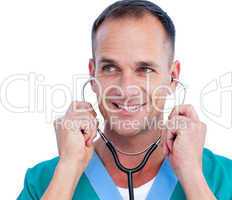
point(69, 173)
point(196, 187)
point(71, 167)
point(64, 181)
point(188, 170)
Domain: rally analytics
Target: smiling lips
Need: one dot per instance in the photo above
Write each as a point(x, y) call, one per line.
point(128, 108)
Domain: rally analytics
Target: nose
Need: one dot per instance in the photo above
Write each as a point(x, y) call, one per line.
point(128, 85)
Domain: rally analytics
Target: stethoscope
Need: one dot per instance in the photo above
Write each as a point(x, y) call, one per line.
point(113, 149)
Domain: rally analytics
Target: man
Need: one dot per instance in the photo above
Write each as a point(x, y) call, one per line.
point(132, 42)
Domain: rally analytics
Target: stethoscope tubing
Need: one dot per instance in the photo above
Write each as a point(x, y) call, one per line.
point(131, 171)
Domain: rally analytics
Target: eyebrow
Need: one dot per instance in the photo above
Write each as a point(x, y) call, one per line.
point(138, 63)
point(147, 63)
point(108, 60)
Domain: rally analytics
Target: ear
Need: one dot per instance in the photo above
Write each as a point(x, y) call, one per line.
point(92, 69)
point(175, 73)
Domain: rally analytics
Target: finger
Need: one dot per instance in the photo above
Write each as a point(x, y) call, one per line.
point(58, 124)
point(88, 127)
point(168, 138)
point(185, 110)
point(89, 142)
point(175, 127)
point(171, 136)
point(55, 124)
point(81, 107)
point(164, 141)
point(178, 122)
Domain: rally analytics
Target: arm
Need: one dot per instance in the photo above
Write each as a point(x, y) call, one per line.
point(195, 185)
point(75, 145)
point(183, 142)
point(64, 181)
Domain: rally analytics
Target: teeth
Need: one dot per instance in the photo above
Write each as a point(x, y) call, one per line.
point(129, 108)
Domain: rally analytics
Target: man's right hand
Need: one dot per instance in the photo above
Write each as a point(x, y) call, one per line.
point(75, 133)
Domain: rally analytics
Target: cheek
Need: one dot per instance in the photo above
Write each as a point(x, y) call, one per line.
point(103, 111)
point(99, 89)
point(158, 98)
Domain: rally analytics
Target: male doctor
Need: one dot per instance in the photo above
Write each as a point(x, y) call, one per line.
point(132, 41)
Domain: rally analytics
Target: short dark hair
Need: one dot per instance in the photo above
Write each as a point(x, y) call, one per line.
point(135, 8)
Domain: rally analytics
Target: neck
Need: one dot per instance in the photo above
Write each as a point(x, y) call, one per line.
point(135, 143)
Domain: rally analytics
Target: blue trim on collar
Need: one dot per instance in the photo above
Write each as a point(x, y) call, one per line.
point(164, 184)
point(101, 180)
point(162, 187)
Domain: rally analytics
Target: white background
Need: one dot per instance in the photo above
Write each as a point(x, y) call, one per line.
point(53, 38)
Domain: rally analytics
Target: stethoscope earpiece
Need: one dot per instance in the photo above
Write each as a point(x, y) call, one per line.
point(173, 79)
point(182, 85)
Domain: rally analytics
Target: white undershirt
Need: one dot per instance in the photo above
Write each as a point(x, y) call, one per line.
point(139, 192)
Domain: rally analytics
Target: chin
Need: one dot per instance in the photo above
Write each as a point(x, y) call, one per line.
point(126, 131)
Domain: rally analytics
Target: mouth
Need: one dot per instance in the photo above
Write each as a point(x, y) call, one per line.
point(128, 108)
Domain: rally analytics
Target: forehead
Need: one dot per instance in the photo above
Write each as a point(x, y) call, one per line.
point(130, 37)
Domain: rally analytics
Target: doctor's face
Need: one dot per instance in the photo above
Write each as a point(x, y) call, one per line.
point(132, 62)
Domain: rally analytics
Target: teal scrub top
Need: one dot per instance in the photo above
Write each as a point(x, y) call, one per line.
point(96, 184)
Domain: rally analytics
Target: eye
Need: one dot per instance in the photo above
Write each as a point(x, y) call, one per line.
point(109, 68)
point(146, 69)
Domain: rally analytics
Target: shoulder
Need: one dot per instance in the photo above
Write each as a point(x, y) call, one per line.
point(218, 173)
point(38, 177)
point(214, 162)
point(44, 169)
